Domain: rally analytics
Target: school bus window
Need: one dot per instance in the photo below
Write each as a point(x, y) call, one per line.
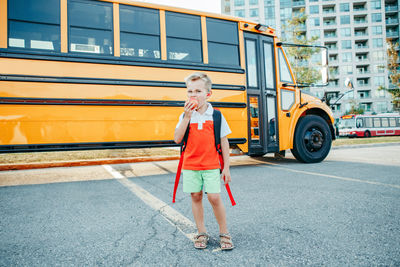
point(140, 32)
point(268, 66)
point(223, 43)
point(90, 27)
point(183, 37)
point(34, 24)
point(284, 68)
point(287, 97)
point(251, 63)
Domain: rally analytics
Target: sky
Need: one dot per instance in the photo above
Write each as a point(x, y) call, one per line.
point(213, 6)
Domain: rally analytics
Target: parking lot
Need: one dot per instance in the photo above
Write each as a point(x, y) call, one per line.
point(343, 211)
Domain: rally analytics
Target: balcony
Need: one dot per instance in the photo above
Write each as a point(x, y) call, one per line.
point(330, 22)
point(361, 46)
point(392, 21)
point(359, 8)
point(361, 59)
point(362, 84)
point(391, 8)
point(362, 71)
point(360, 21)
point(298, 3)
point(392, 33)
point(330, 35)
point(328, 10)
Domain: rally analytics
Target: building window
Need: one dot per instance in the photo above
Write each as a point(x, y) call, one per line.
point(90, 27)
point(346, 44)
point(381, 107)
point(34, 24)
point(315, 33)
point(376, 30)
point(254, 12)
point(346, 57)
point(347, 69)
point(376, 17)
point(344, 7)
point(378, 55)
point(314, 9)
point(376, 4)
point(239, 13)
point(223, 42)
point(377, 42)
point(344, 19)
point(345, 32)
point(379, 81)
point(315, 21)
point(140, 32)
point(239, 2)
point(183, 37)
point(253, 2)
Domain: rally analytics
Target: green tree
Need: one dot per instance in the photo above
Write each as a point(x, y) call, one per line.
point(300, 57)
point(355, 109)
point(394, 74)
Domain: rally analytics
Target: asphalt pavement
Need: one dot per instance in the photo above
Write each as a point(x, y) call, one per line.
point(340, 212)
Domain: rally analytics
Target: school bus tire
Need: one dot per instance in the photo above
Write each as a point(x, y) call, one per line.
point(312, 139)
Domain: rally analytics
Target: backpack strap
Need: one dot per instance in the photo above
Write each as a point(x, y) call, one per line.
point(217, 134)
point(217, 130)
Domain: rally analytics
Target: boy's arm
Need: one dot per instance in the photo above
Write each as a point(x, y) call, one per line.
point(180, 131)
point(226, 175)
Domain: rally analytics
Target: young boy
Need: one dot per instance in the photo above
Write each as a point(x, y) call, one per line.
point(201, 167)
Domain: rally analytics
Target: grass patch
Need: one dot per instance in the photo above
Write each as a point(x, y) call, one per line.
point(360, 141)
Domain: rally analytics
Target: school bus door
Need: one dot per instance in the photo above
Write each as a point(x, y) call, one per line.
point(261, 94)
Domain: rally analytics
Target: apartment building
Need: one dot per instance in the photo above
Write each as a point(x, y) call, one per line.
point(355, 31)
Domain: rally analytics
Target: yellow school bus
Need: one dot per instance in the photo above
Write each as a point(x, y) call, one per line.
point(84, 74)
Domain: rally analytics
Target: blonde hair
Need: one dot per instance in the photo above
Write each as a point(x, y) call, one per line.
point(199, 76)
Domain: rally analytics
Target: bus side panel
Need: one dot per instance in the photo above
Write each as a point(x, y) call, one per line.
point(71, 91)
point(49, 124)
point(47, 68)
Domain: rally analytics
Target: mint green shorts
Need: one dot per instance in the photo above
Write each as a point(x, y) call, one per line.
point(207, 180)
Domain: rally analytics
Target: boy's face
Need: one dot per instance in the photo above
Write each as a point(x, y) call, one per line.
point(198, 90)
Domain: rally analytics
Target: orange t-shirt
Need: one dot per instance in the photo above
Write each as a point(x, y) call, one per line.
point(200, 152)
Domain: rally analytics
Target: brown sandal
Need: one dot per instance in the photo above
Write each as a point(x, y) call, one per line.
point(201, 240)
point(226, 239)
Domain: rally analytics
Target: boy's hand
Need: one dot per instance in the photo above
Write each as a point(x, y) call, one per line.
point(226, 175)
point(189, 107)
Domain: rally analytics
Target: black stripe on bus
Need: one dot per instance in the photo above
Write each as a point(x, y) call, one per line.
point(79, 80)
point(91, 146)
point(101, 59)
point(107, 102)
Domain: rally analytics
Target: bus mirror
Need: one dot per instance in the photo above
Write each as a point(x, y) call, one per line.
point(309, 64)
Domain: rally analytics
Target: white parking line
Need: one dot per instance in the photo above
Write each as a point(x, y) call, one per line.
point(349, 179)
point(184, 225)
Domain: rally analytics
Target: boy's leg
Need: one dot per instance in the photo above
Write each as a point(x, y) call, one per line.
point(219, 211)
point(220, 215)
point(198, 211)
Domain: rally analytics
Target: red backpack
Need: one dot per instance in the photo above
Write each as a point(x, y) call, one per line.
point(217, 129)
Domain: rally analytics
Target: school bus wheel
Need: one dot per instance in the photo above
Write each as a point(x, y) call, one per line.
point(312, 139)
